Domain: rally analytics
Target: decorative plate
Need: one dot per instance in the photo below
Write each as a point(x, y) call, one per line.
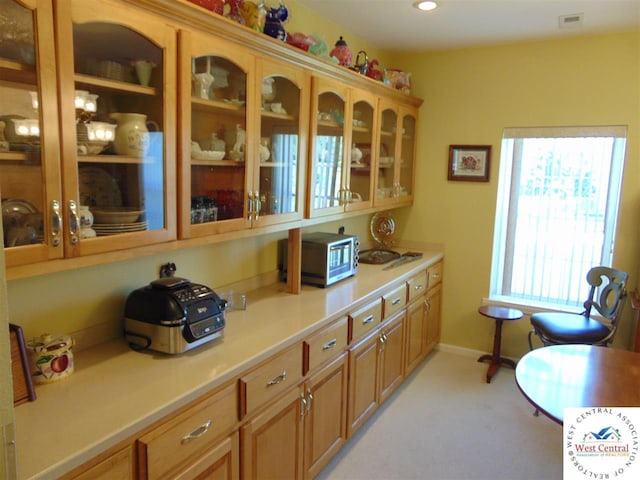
point(383, 228)
point(98, 188)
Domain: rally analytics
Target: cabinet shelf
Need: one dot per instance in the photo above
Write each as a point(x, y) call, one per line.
point(113, 85)
point(217, 163)
point(279, 116)
point(115, 159)
point(14, 157)
point(12, 71)
point(204, 105)
point(361, 130)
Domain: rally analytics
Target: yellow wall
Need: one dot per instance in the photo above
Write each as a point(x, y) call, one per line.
point(470, 96)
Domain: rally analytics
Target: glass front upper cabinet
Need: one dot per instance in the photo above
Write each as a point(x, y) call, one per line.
point(329, 107)
point(284, 95)
point(215, 151)
point(29, 135)
point(363, 151)
point(395, 181)
point(117, 119)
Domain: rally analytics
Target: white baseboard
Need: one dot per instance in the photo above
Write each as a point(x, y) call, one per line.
point(466, 352)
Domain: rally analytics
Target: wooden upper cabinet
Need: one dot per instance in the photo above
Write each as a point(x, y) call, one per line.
point(126, 175)
point(396, 162)
point(30, 185)
point(215, 151)
point(280, 142)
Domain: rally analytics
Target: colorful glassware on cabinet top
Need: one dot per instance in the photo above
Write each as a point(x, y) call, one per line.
point(276, 16)
point(254, 15)
point(216, 6)
point(342, 53)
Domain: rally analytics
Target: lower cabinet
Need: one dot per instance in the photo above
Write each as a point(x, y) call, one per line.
point(376, 368)
point(118, 466)
point(298, 434)
point(200, 442)
point(287, 417)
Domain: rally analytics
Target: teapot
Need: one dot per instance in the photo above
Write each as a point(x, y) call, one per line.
point(273, 24)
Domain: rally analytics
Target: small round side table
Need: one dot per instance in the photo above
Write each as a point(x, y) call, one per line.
point(499, 314)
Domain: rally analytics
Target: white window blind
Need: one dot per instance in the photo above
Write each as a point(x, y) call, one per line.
point(557, 206)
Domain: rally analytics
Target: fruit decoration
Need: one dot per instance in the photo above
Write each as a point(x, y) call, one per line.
point(215, 6)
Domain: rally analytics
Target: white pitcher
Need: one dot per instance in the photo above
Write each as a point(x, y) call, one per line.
point(132, 135)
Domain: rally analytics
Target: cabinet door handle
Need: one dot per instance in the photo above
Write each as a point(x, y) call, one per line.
point(395, 301)
point(330, 344)
point(250, 205)
point(74, 222)
point(427, 305)
point(279, 379)
point(309, 399)
point(303, 405)
point(56, 223)
point(198, 432)
point(257, 207)
point(369, 319)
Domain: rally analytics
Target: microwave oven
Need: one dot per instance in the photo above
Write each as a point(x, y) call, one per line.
point(327, 258)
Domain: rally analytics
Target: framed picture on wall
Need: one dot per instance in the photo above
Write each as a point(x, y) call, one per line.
point(469, 163)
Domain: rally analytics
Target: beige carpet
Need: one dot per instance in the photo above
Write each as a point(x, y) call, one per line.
point(446, 423)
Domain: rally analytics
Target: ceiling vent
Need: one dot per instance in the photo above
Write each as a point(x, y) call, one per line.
point(570, 21)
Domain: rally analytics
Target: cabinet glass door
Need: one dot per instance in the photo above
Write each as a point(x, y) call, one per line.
point(29, 136)
point(387, 156)
point(117, 119)
point(283, 94)
point(362, 152)
point(407, 157)
point(215, 151)
point(328, 148)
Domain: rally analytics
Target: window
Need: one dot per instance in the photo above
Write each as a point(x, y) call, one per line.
point(558, 198)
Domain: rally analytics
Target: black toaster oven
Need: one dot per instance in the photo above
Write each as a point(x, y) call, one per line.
point(173, 315)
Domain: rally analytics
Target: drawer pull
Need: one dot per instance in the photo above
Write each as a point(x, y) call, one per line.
point(395, 301)
point(198, 432)
point(279, 379)
point(330, 344)
point(435, 275)
point(369, 319)
point(419, 287)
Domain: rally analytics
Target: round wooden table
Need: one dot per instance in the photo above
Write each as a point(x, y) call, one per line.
point(499, 314)
point(553, 378)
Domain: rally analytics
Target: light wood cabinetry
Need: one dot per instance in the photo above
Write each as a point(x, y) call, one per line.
point(117, 466)
point(375, 369)
point(195, 443)
point(130, 182)
point(84, 89)
point(423, 314)
point(340, 145)
point(396, 158)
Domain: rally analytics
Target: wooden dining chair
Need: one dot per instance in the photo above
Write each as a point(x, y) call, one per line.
point(607, 295)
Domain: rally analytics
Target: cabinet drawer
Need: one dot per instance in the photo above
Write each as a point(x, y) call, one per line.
point(326, 344)
point(269, 380)
point(434, 275)
point(417, 285)
point(394, 301)
point(365, 319)
point(191, 433)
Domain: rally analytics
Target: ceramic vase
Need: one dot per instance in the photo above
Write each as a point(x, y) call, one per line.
point(132, 135)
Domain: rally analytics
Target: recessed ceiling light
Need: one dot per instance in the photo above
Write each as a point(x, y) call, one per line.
point(425, 6)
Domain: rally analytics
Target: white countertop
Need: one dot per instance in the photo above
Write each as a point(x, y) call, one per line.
point(115, 392)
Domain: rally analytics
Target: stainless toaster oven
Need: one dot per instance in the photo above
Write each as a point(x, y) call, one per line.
point(327, 258)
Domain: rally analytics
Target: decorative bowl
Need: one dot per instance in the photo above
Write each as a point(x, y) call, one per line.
point(116, 214)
